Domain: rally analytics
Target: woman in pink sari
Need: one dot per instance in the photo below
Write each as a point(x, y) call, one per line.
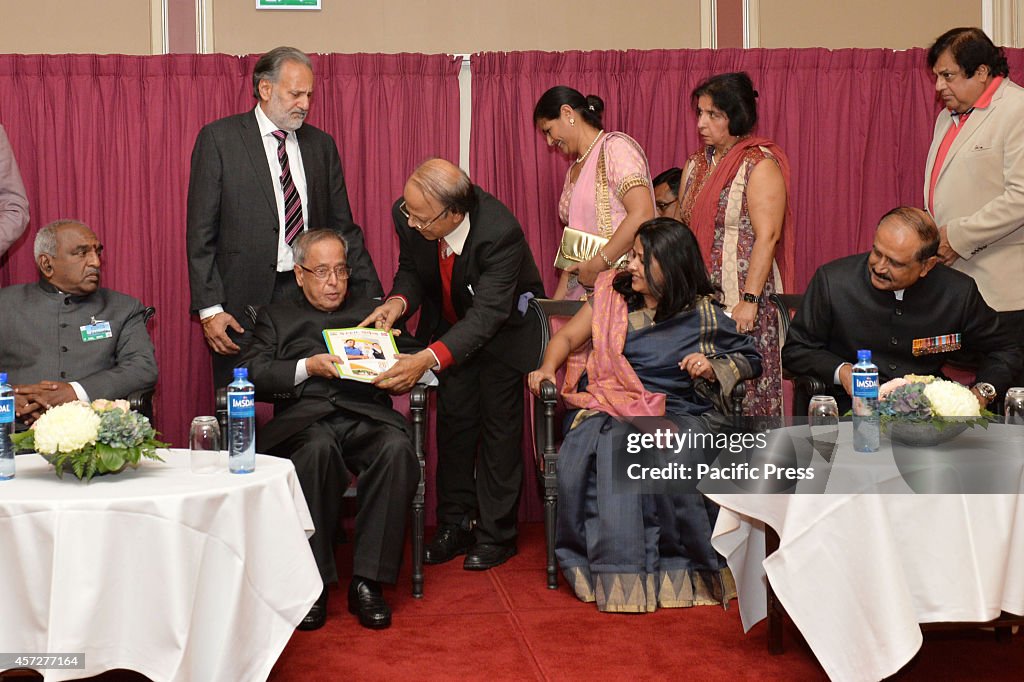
point(607, 188)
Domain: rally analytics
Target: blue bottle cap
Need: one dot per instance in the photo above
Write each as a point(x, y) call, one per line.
point(863, 356)
point(243, 372)
point(3, 377)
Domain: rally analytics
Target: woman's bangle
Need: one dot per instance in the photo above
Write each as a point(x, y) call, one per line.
point(607, 261)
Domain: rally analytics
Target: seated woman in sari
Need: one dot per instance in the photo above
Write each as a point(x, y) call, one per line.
point(633, 552)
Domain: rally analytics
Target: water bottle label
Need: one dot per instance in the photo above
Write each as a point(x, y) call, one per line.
point(865, 385)
point(241, 405)
point(7, 410)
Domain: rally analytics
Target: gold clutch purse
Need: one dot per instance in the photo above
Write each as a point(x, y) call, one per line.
point(578, 247)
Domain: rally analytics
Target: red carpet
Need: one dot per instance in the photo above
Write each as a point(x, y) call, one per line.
point(505, 624)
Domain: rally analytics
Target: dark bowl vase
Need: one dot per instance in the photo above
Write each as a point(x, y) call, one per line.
point(100, 469)
point(922, 434)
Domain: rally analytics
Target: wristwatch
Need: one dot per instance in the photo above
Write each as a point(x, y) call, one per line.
point(987, 390)
point(751, 298)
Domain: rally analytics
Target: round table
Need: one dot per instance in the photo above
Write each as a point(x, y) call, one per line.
point(858, 569)
point(175, 575)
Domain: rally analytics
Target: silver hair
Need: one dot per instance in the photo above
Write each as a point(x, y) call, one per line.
point(268, 68)
point(306, 240)
point(46, 238)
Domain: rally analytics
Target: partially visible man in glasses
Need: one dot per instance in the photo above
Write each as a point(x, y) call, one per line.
point(415, 223)
point(666, 193)
point(334, 425)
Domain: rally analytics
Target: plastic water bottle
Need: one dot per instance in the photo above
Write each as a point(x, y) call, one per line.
point(241, 423)
point(865, 403)
point(6, 429)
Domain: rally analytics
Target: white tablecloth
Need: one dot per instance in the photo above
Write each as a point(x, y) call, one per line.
point(175, 575)
point(857, 573)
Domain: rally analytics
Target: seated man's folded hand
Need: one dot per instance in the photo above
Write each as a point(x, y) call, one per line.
point(26, 409)
point(31, 400)
point(323, 365)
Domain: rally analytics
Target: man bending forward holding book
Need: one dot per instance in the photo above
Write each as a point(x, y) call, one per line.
point(331, 426)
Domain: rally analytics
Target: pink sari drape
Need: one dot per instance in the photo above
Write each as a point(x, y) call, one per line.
point(612, 385)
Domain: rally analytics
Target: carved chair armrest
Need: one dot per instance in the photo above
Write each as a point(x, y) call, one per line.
point(805, 386)
point(142, 401)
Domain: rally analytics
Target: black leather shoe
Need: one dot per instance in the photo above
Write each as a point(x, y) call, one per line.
point(484, 556)
point(366, 600)
point(317, 615)
point(449, 542)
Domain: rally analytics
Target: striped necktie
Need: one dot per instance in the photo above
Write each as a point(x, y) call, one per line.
point(292, 204)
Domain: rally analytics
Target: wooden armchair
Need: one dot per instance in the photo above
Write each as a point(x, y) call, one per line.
point(547, 415)
point(551, 316)
point(804, 385)
point(142, 400)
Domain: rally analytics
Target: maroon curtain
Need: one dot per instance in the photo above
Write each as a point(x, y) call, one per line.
point(856, 125)
point(107, 139)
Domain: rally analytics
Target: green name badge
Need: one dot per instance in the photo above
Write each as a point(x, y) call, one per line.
point(95, 331)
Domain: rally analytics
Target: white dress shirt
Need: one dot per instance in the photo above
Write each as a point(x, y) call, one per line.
point(285, 262)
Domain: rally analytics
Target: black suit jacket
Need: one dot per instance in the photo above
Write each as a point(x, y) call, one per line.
point(233, 225)
point(842, 312)
point(494, 270)
point(287, 332)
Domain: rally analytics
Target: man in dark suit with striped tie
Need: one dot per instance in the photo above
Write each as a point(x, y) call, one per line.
point(258, 180)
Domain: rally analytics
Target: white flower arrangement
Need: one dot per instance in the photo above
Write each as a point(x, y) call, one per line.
point(99, 438)
point(950, 399)
point(66, 428)
point(916, 399)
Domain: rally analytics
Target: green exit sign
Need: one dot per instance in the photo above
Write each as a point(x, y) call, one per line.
point(287, 4)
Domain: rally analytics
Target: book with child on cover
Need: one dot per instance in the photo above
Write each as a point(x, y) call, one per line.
point(365, 353)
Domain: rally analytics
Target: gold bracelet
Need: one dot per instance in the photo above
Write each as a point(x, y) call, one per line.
point(608, 263)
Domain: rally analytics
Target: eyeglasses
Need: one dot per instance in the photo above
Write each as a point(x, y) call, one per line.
point(663, 205)
point(405, 211)
point(322, 272)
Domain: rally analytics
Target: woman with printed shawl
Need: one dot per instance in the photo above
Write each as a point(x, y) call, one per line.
point(735, 194)
point(626, 550)
point(607, 189)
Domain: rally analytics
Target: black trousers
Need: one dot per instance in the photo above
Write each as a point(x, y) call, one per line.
point(285, 289)
point(480, 462)
point(383, 459)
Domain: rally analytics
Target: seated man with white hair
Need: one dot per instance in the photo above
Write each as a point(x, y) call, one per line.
point(64, 337)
